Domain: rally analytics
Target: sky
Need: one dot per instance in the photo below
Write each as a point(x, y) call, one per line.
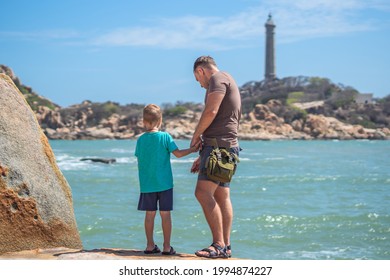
point(143, 51)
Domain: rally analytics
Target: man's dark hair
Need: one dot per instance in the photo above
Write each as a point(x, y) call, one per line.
point(204, 61)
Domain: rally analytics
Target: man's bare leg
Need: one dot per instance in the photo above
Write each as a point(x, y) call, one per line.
point(205, 194)
point(222, 197)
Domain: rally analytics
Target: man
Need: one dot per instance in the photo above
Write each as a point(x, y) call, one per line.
point(219, 120)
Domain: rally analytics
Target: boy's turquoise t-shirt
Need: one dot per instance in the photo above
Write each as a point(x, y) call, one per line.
point(153, 151)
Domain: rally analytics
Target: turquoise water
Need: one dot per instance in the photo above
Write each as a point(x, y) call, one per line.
point(292, 199)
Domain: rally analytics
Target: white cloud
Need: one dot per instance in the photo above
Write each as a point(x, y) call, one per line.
point(52, 34)
point(301, 19)
point(184, 32)
point(295, 20)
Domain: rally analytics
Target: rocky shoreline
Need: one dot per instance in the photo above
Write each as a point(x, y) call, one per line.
point(263, 123)
point(271, 120)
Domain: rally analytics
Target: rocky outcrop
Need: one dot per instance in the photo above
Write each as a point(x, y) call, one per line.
point(263, 124)
point(183, 126)
point(90, 121)
point(33, 99)
point(272, 120)
point(36, 209)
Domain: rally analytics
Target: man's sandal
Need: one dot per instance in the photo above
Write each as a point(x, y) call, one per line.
point(219, 252)
point(229, 248)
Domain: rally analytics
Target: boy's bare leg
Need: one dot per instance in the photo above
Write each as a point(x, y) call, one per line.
point(166, 222)
point(149, 228)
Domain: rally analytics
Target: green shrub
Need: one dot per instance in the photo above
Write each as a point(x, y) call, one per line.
point(294, 97)
point(110, 108)
point(175, 111)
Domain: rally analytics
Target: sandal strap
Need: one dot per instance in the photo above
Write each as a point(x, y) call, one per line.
point(221, 251)
point(207, 250)
point(211, 253)
point(229, 248)
point(218, 252)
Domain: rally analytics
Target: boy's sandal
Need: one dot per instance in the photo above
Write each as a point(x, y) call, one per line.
point(171, 252)
point(155, 250)
point(219, 252)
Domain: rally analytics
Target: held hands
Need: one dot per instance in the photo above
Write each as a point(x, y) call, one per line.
point(196, 142)
point(196, 147)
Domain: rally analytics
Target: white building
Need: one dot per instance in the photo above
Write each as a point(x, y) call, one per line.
point(364, 98)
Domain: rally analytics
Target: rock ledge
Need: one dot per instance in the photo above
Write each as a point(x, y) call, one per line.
point(95, 254)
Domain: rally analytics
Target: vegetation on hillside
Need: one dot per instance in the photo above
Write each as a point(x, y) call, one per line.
point(179, 108)
point(338, 101)
point(32, 98)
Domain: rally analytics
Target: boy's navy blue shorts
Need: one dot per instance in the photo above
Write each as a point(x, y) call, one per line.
point(154, 201)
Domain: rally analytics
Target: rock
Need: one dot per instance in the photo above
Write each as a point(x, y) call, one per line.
point(274, 104)
point(36, 208)
point(316, 125)
point(261, 111)
point(96, 254)
point(48, 118)
point(102, 160)
point(310, 105)
point(99, 133)
point(297, 125)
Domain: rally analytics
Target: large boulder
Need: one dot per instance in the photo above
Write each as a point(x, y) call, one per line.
point(36, 208)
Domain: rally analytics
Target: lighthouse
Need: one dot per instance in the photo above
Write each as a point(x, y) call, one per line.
point(270, 74)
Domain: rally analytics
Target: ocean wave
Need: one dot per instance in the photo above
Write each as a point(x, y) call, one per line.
point(244, 177)
point(252, 154)
point(335, 253)
point(274, 158)
point(122, 151)
point(277, 219)
point(184, 160)
point(75, 164)
point(318, 179)
point(126, 160)
point(69, 163)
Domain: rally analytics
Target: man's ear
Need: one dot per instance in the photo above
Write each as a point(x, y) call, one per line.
point(199, 70)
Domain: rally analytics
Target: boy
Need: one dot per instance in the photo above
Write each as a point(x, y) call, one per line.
point(153, 151)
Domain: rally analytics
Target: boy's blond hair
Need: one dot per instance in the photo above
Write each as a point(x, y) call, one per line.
point(152, 114)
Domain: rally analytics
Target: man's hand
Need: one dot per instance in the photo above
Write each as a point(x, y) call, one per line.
point(195, 166)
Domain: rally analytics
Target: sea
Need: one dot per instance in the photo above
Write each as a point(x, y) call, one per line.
point(292, 200)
